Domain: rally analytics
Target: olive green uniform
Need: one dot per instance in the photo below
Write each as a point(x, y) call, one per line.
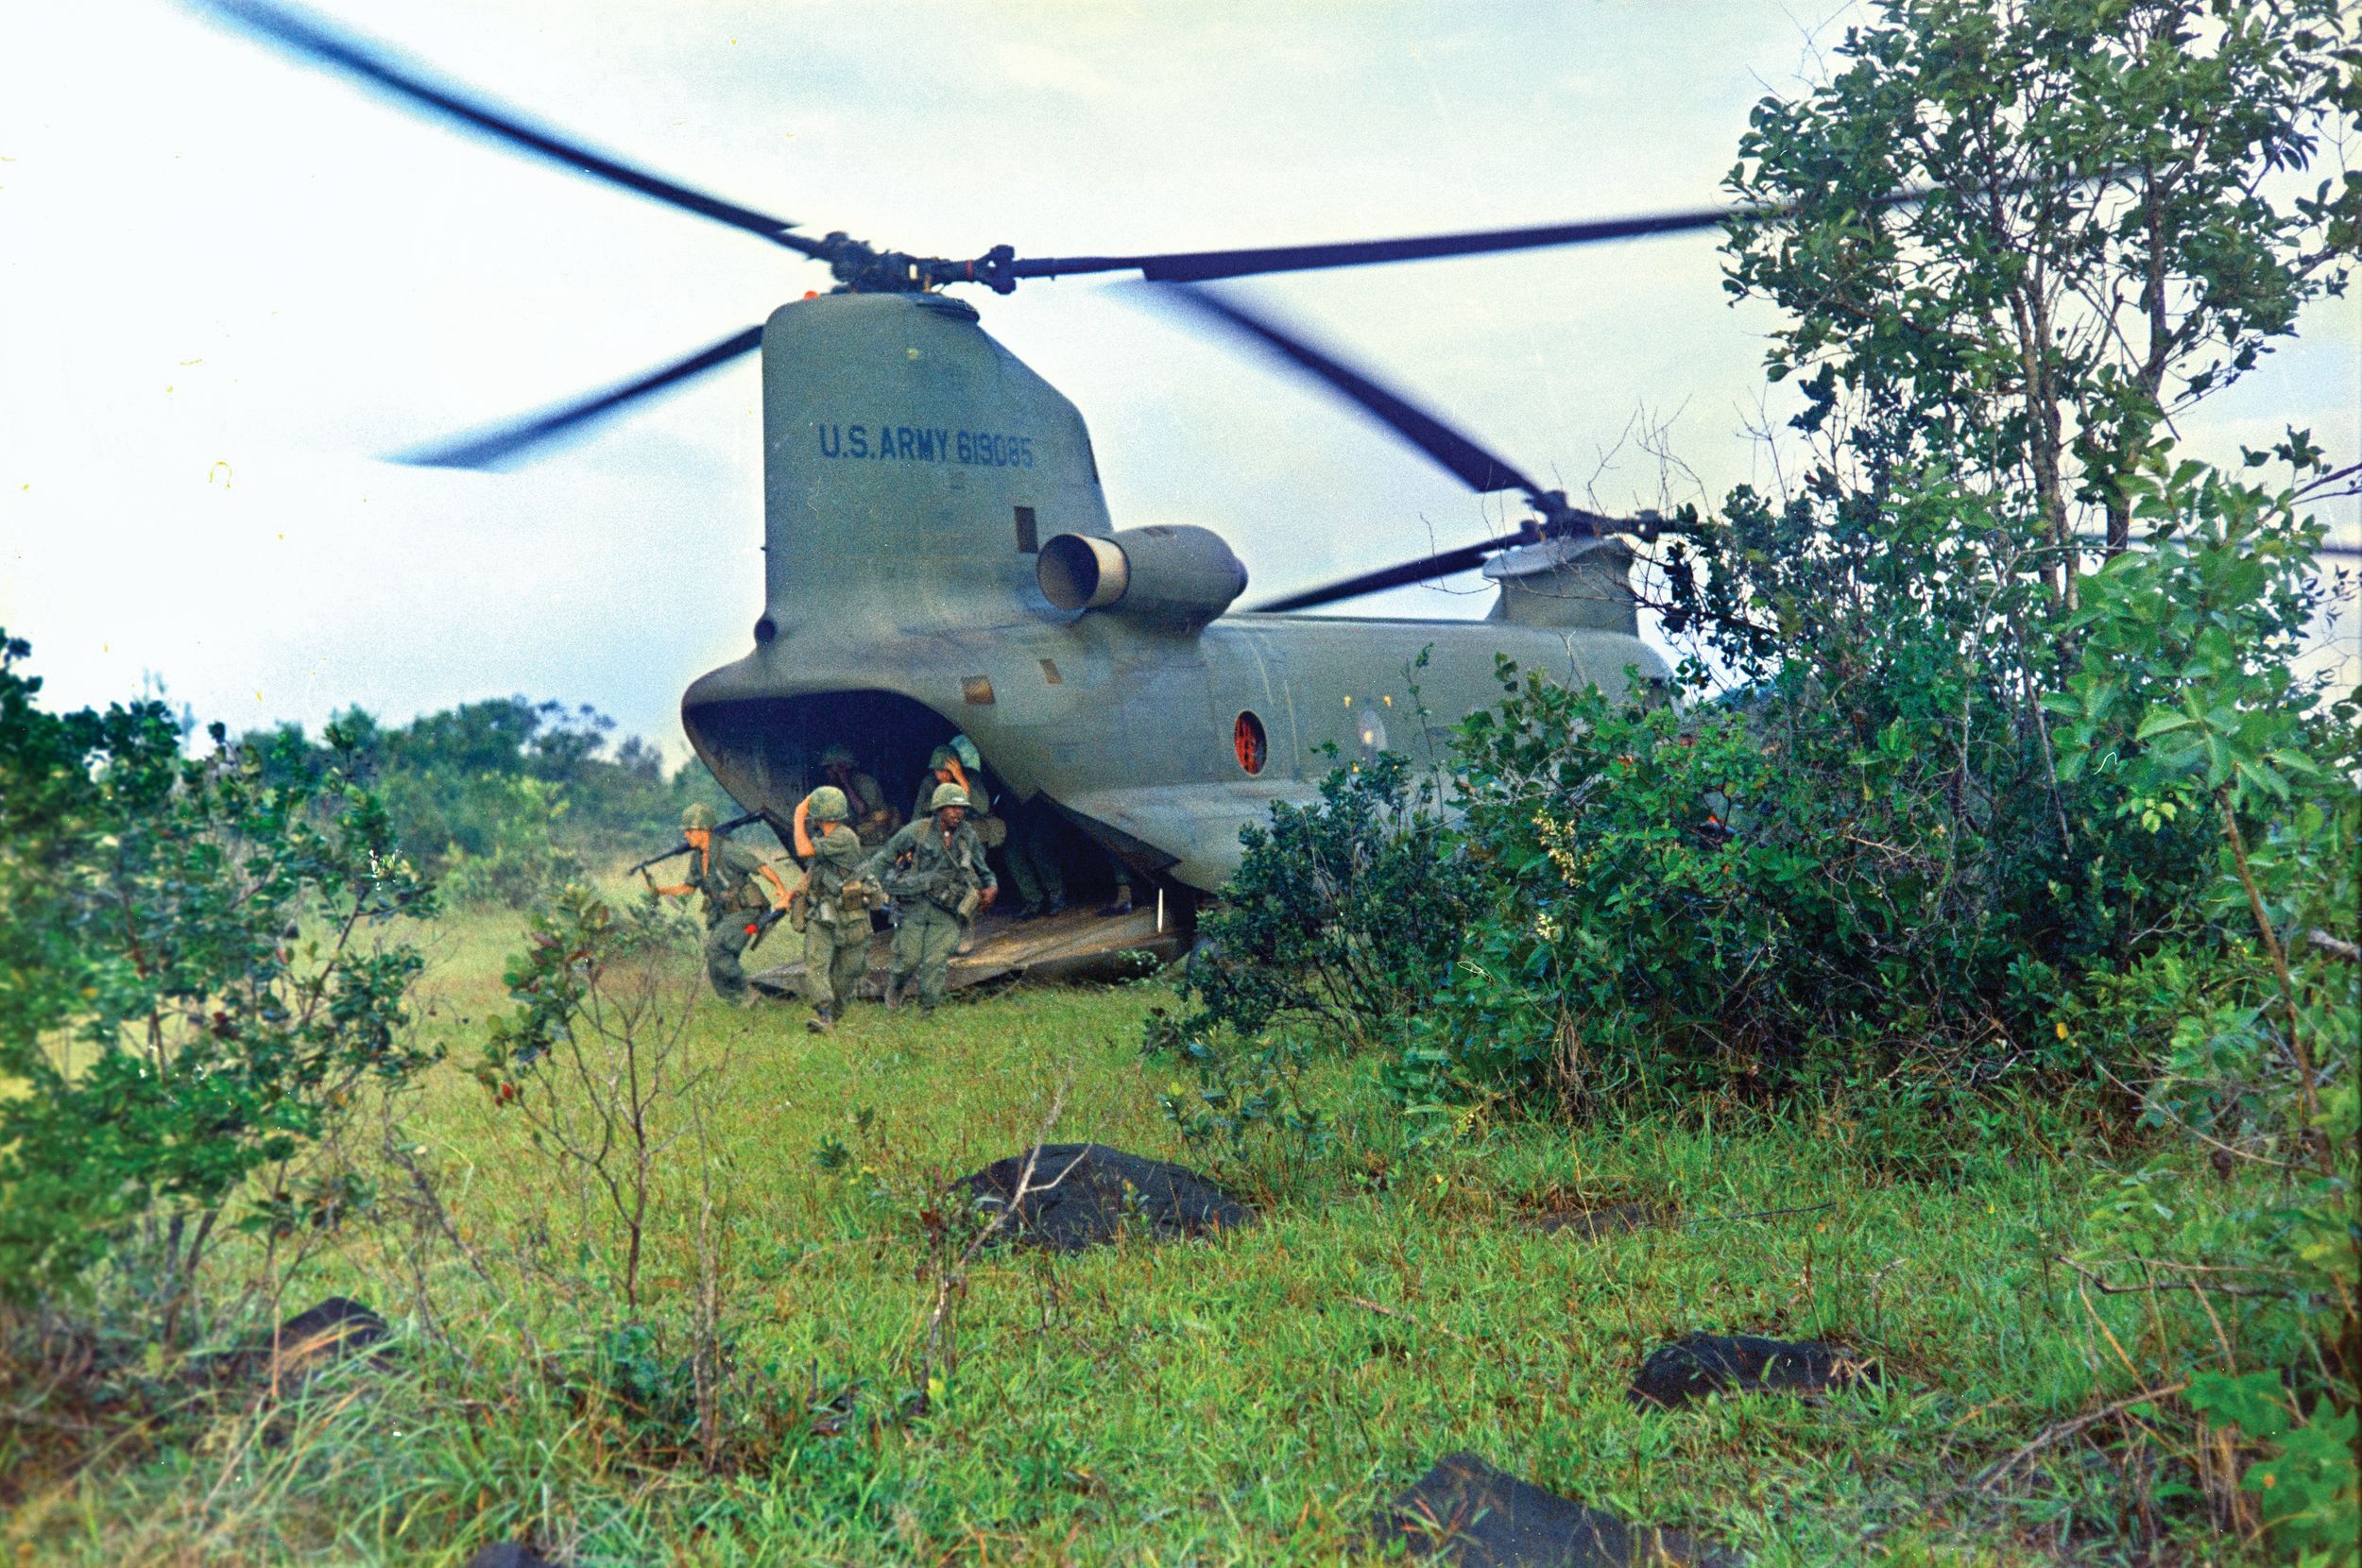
point(942, 869)
point(1032, 854)
point(863, 794)
point(836, 941)
point(734, 896)
point(872, 820)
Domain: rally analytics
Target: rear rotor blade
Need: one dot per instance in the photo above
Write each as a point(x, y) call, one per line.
point(305, 35)
point(1456, 453)
point(498, 447)
point(1423, 570)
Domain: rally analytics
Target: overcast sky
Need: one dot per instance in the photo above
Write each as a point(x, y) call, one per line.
point(229, 281)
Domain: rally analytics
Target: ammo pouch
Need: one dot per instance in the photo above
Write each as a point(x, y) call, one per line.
point(857, 897)
point(799, 914)
point(968, 904)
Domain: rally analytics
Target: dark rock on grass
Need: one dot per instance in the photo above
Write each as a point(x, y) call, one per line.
point(1696, 1365)
point(1480, 1517)
point(1083, 1194)
point(508, 1554)
point(1597, 1224)
point(335, 1329)
point(306, 1343)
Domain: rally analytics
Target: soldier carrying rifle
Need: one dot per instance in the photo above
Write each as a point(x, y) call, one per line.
point(744, 895)
point(935, 869)
point(833, 905)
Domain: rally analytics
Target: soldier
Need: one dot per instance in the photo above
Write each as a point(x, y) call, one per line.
point(935, 870)
point(943, 767)
point(871, 817)
point(733, 879)
point(832, 902)
point(1032, 856)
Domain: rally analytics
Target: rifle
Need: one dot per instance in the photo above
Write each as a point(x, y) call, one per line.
point(682, 847)
point(759, 926)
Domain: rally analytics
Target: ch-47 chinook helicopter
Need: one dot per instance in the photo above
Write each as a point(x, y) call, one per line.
point(940, 557)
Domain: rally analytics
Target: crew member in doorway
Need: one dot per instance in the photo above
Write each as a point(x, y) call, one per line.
point(956, 763)
point(1119, 902)
point(739, 888)
point(872, 819)
point(936, 873)
point(1036, 857)
point(1032, 856)
point(833, 905)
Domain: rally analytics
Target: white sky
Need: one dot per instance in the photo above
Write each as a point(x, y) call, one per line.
point(227, 280)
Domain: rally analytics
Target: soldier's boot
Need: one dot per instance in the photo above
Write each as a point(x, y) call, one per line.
point(1120, 903)
point(822, 1018)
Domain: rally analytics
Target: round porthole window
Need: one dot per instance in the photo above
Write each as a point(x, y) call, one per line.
point(1248, 740)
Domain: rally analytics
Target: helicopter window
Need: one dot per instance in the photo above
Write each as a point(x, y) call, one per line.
point(1248, 740)
point(1028, 537)
point(1050, 673)
point(977, 690)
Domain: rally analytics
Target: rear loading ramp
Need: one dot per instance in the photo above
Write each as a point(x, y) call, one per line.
point(1074, 945)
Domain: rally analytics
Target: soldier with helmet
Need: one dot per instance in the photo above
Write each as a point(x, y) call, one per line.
point(738, 886)
point(833, 905)
point(869, 815)
point(935, 870)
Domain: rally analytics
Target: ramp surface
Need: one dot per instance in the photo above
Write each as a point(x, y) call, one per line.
point(1073, 944)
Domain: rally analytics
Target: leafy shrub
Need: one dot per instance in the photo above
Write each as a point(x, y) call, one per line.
point(502, 801)
point(506, 851)
point(2184, 702)
point(1345, 912)
point(196, 975)
point(2307, 1483)
point(1344, 915)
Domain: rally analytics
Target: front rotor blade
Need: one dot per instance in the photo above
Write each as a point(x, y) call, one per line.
point(305, 35)
point(496, 448)
point(1458, 455)
point(1425, 570)
point(1199, 267)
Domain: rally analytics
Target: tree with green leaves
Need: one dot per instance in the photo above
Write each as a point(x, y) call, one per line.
point(199, 966)
point(2118, 207)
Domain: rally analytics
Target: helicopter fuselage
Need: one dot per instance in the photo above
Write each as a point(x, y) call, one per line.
point(914, 471)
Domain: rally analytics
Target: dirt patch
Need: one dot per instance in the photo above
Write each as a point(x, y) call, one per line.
point(1697, 1365)
point(1594, 1225)
point(1084, 1194)
point(1466, 1510)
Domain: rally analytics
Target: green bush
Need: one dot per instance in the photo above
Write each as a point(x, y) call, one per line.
point(1344, 916)
point(195, 971)
point(504, 802)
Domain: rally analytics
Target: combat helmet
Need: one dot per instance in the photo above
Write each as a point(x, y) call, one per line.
point(836, 757)
point(699, 816)
point(941, 758)
point(826, 804)
point(947, 794)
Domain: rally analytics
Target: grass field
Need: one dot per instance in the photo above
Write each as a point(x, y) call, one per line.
point(1251, 1399)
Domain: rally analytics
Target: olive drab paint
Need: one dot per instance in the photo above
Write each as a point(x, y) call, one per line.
point(915, 470)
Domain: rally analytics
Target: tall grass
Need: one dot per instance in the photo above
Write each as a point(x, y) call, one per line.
point(1253, 1399)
